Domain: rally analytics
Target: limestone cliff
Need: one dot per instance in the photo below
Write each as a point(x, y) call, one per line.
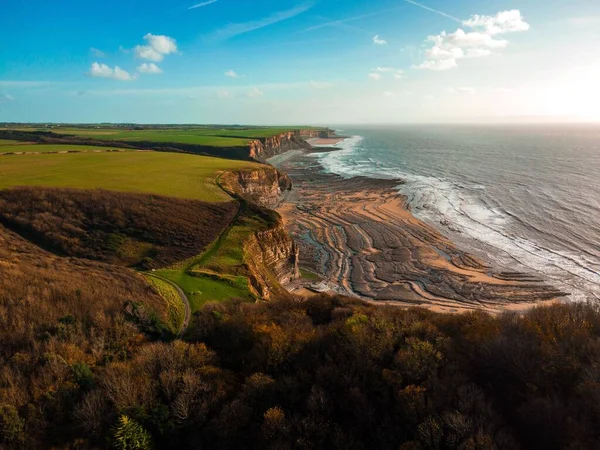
point(272, 259)
point(263, 149)
point(270, 254)
point(263, 186)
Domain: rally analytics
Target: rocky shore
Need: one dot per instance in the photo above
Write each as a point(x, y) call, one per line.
point(358, 236)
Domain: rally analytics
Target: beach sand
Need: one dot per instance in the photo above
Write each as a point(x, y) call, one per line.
point(359, 236)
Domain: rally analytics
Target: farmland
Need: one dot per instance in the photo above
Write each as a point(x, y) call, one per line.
point(207, 136)
point(20, 147)
point(170, 174)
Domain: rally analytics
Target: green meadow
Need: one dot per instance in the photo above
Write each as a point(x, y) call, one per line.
point(217, 137)
point(170, 174)
point(19, 147)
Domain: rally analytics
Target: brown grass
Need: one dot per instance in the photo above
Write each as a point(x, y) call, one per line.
point(59, 313)
point(119, 228)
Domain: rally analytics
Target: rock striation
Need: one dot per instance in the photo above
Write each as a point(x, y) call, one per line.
point(263, 149)
point(264, 186)
point(359, 237)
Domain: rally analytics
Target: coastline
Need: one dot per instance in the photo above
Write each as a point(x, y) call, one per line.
point(359, 236)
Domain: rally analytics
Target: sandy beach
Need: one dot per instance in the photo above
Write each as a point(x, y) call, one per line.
point(361, 240)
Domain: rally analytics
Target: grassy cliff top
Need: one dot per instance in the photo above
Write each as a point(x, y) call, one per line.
point(170, 174)
point(213, 136)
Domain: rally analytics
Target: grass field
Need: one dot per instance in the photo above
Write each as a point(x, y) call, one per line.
point(170, 174)
point(209, 136)
point(8, 142)
point(175, 307)
point(220, 273)
point(20, 147)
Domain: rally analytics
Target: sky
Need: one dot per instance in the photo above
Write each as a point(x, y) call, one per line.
point(299, 62)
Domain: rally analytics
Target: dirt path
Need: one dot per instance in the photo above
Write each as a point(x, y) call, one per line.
point(184, 299)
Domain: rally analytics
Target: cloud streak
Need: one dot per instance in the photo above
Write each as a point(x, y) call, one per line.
point(203, 4)
point(339, 22)
point(236, 29)
point(436, 11)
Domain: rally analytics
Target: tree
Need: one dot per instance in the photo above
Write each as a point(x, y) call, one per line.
point(11, 426)
point(130, 435)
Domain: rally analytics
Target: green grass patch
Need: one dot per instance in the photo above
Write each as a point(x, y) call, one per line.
point(201, 288)
point(194, 137)
point(220, 273)
point(170, 174)
point(8, 142)
point(21, 147)
point(175, 306)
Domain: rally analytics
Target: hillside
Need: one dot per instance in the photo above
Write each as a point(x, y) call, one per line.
point(129, 229)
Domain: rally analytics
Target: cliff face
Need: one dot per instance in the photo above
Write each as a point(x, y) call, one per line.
point(272, 261)
point(263, 186)
point(271, 255)
point(263, 149)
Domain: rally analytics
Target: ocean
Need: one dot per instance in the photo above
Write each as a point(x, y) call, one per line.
point(524, 198)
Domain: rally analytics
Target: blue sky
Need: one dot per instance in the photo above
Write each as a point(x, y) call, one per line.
point(294, 62)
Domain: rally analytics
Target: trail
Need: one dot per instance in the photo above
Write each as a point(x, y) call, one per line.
point(184, 299)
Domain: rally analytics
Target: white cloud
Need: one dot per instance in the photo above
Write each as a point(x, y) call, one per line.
point(503, 22)
point(375, 76)
point(103, 71)
point(448, 48)
point(6, 98)
point(203, 4)
point(378, 41)
point(443, 64)
point(255, 92)
point(398, 73)
point(231, 74)
point(223, 94)
point(97, 53)
point(389, 94)
point(158, 46)
point(149, 68)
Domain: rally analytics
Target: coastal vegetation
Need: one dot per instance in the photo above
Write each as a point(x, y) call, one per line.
point(326, 373)
point(141, 307)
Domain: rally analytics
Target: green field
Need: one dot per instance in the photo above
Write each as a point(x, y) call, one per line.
point(175, 307)
point(8, 142)
point(20, 147)
point(201, 136)
point(220, 273)
point(170, 174)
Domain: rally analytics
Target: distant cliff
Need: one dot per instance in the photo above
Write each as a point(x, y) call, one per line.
point(257, 149)
point(263, 149)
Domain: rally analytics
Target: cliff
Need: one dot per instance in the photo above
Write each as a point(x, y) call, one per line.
point(263, 149)
point(257, 149)
point(271, 256)
point(272, 259)
point(262, 186)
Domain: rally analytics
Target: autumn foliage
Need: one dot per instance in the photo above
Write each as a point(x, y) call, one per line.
point(115, 227)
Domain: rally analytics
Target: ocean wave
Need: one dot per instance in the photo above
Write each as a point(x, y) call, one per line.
point(465, 213)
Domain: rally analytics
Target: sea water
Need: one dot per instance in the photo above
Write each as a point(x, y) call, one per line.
point(525, 198)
